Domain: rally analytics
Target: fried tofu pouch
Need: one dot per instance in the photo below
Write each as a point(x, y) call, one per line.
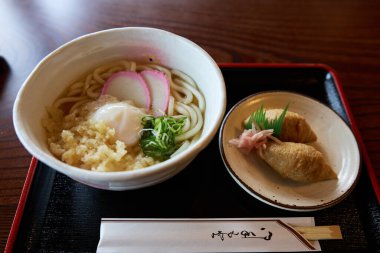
point(298, 162)
point(295, 128)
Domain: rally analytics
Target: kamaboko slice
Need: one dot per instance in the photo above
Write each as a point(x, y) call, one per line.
point(128, 85)
point(159, 88)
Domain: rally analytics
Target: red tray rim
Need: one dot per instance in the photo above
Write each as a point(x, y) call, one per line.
point(371, 172)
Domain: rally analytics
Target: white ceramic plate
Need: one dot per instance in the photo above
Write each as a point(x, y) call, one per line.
point(335, 141)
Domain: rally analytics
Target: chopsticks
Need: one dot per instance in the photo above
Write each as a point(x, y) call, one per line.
point(320, 232)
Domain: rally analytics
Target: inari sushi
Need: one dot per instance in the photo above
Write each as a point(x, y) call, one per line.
point(295, 128)
point(280, 138)
point(298, 162)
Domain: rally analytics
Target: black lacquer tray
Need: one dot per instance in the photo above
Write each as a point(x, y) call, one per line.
point(57, 214)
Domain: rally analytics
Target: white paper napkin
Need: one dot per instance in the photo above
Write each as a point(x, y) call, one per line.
point(204, 235)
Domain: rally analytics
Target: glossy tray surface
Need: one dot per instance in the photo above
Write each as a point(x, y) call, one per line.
point(63, 215)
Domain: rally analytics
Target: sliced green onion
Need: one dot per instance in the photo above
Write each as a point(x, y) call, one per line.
point(158, 136)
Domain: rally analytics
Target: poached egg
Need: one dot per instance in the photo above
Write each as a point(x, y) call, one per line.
point(124, 118)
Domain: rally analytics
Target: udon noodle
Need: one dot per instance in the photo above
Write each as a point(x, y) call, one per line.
point(75, 139)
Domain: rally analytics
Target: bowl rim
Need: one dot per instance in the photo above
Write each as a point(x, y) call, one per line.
point(76, 172)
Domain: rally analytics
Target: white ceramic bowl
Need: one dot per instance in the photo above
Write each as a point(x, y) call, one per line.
point(69, 62)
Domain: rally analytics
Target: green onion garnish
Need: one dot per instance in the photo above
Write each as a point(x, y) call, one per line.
point(158, 136)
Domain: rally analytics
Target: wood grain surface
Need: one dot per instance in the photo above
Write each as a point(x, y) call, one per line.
point(342, 34)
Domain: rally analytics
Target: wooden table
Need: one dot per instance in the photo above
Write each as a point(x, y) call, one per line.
point(342, 34)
